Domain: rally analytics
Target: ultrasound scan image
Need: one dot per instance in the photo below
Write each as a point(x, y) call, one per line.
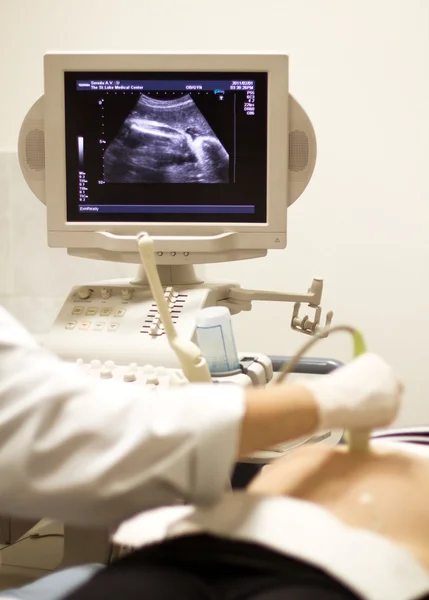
point(166, 141)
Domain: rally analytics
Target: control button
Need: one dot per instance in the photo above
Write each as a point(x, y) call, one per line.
point(147, 369)
point(77, 310)
point(71, 325)
point(95, 363)
point(119, 312)
point(130, 376)
point(177, 378)
point(84, 293)
point(91, 311)
point(85, 325)
point(172, 254)
point(126, 293)
point(105, 293)
point(105, 373)
point(112, 326)
point(98, 326)
point(152, 380)
point(161, 371)
point(186, 254)
point(105, 312)
point(160, 253)
point(109, 364)
point(168, 293)
point(133, 367)
point(80, 361)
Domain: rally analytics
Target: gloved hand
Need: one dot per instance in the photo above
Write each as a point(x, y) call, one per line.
point(364, 394)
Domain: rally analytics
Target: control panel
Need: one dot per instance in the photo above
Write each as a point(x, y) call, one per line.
point(114, 331)
point(255, 370)
point(116, 320)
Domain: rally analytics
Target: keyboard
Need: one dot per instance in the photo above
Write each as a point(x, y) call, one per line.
point(256, 369)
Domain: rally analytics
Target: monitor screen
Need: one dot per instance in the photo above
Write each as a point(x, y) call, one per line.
point(166, 147)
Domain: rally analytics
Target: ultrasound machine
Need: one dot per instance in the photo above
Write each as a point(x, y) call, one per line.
point(202, 153)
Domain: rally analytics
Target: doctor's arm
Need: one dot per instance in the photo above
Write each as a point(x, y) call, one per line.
point(98, 452)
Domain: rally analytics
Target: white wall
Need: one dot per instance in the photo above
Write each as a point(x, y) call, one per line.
point(360, 69)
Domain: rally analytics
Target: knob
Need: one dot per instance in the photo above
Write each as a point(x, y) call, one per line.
point(106, 373)
point(168, 293)
point(147, 369)
point(161, 371)
point(80, 362)
point(130, 376)
point(109, 364)
point(133, 367)
point(154, 329)
point(152, 380)
point(177, 378)
point(95, 364)
point(84, 293)
point(126, 293)
point(105, 293)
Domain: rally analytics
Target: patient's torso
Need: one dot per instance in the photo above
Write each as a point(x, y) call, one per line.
point(386, 491)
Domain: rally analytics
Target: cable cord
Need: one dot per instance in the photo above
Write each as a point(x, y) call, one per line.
point(358, 441)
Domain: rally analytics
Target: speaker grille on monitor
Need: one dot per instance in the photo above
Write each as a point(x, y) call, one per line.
point(31, 149)
point(35, 149)
point(298, 151)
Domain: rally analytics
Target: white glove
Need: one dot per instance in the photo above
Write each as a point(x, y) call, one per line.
point(363, 395)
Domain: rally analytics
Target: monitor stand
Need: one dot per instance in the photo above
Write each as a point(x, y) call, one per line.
point(171, 275)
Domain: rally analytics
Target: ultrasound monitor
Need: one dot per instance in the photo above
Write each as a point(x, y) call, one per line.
point(193, 149)
point(170, 147)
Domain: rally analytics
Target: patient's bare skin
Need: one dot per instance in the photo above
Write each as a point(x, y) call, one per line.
point(386, 491)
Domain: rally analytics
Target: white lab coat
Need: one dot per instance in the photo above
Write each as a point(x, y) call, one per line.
point(96, 452)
